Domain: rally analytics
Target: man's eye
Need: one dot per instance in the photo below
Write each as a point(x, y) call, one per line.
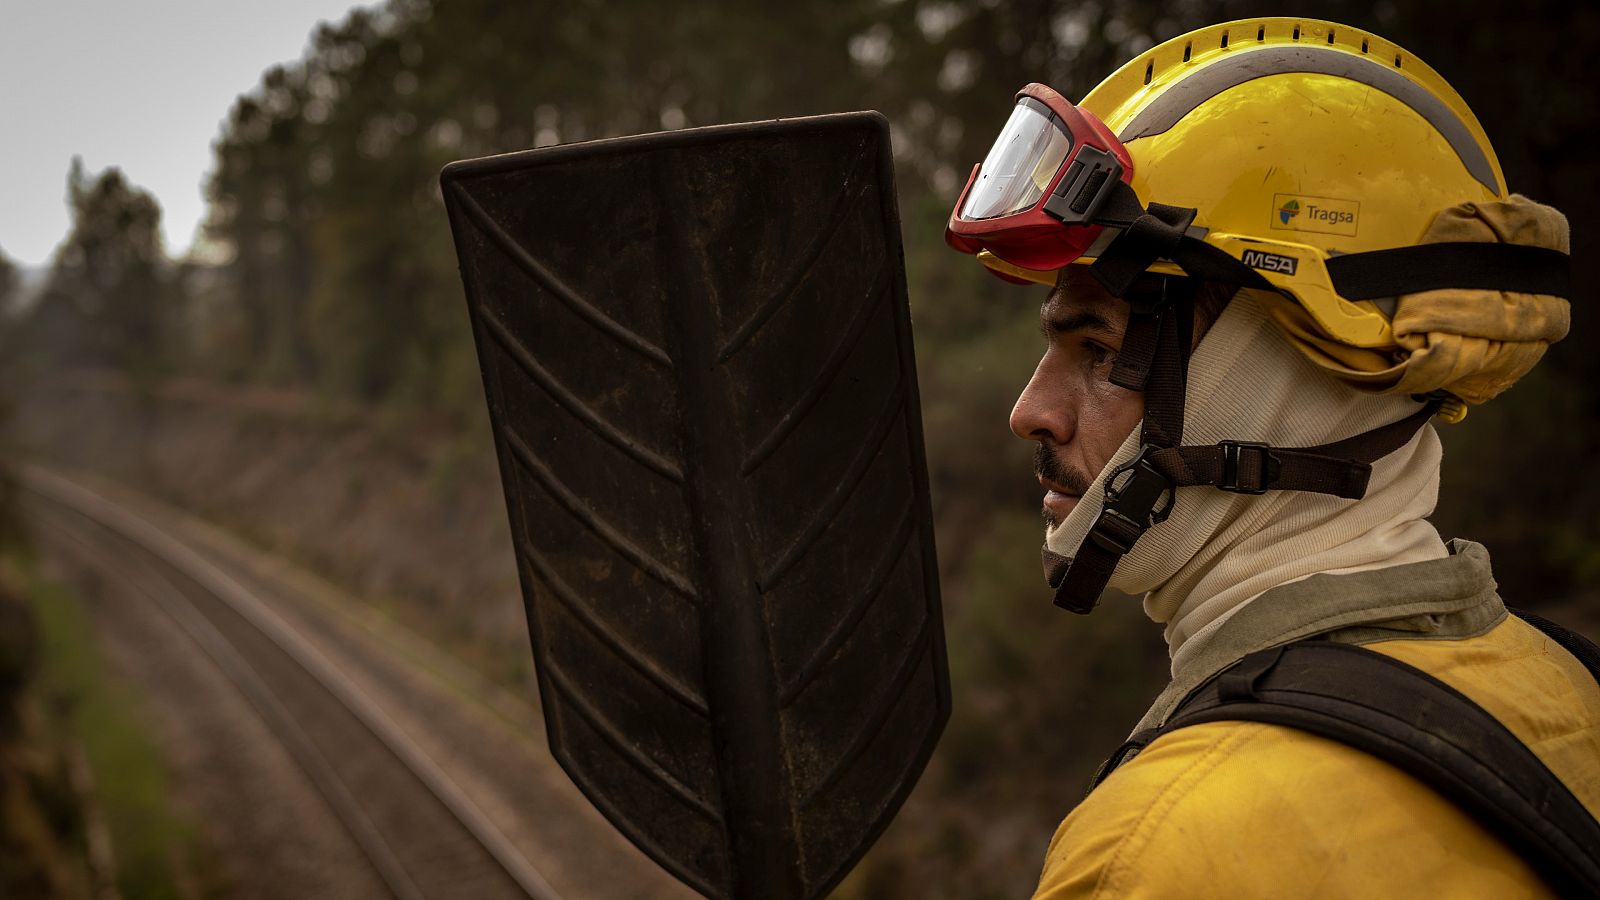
point(1097, 354)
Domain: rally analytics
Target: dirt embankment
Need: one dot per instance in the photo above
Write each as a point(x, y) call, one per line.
point(406, 513)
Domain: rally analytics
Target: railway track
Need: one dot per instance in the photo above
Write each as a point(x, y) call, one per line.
point(422, 834)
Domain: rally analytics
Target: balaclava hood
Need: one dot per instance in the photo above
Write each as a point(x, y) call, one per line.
point(1219, 550)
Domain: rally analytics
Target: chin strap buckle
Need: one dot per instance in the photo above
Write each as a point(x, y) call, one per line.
point(1260, 470)
point(1133, 505)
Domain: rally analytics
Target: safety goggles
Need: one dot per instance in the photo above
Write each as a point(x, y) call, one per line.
point(1032, 201)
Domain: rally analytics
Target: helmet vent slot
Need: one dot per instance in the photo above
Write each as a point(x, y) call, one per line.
point(1297, 32)
point(1397, 60)
point(1261, 32)
point(1224, 40)
point(1149, 69)
point(1330, 37)
point(1187, 49)
point(1363, 46)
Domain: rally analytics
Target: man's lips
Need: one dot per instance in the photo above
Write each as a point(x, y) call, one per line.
point(1058, 499)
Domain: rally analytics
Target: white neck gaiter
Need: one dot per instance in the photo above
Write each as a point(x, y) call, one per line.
point(1220, 550)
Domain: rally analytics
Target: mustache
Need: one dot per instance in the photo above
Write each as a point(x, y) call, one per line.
point(1048, 467)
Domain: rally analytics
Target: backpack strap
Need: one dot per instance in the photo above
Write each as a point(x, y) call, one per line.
point(1418, 723)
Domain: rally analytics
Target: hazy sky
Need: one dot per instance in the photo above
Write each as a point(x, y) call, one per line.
point(139, 84)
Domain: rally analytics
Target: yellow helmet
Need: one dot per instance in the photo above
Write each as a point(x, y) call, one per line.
point(1296, 140)
point(1300, 143)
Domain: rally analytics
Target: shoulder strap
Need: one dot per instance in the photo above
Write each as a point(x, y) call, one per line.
point(1414, 721)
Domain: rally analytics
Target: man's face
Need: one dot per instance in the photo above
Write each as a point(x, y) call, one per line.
point(1077, 416)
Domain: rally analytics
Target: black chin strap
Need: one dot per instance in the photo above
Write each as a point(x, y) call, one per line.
point(1140, 493)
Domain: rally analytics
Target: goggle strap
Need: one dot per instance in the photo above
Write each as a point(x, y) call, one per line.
point(1155, 234)
point(1370, 275)
point(1159, 231)
point(1469, 265)
point(1121, 208)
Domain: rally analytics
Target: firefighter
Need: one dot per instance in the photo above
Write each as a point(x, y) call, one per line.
point(1278, 250)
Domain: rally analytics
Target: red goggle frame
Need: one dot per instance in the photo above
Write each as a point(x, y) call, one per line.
point(1028, 209)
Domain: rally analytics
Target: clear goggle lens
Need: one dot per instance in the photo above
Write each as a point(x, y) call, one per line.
point(1020, 166)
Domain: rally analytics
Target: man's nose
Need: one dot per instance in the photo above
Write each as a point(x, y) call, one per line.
point(1042, 413)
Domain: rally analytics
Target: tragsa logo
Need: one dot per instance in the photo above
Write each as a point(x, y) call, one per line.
point(1288, 211)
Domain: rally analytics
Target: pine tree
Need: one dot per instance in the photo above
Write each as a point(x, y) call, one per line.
point(108, 295)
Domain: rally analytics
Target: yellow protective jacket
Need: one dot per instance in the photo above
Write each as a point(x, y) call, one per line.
point(1239, 809)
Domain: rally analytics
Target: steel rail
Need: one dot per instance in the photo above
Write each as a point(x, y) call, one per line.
point(297, 647)
point(255, 689)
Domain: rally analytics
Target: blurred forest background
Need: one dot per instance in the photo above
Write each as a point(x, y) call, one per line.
point(327, 276)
